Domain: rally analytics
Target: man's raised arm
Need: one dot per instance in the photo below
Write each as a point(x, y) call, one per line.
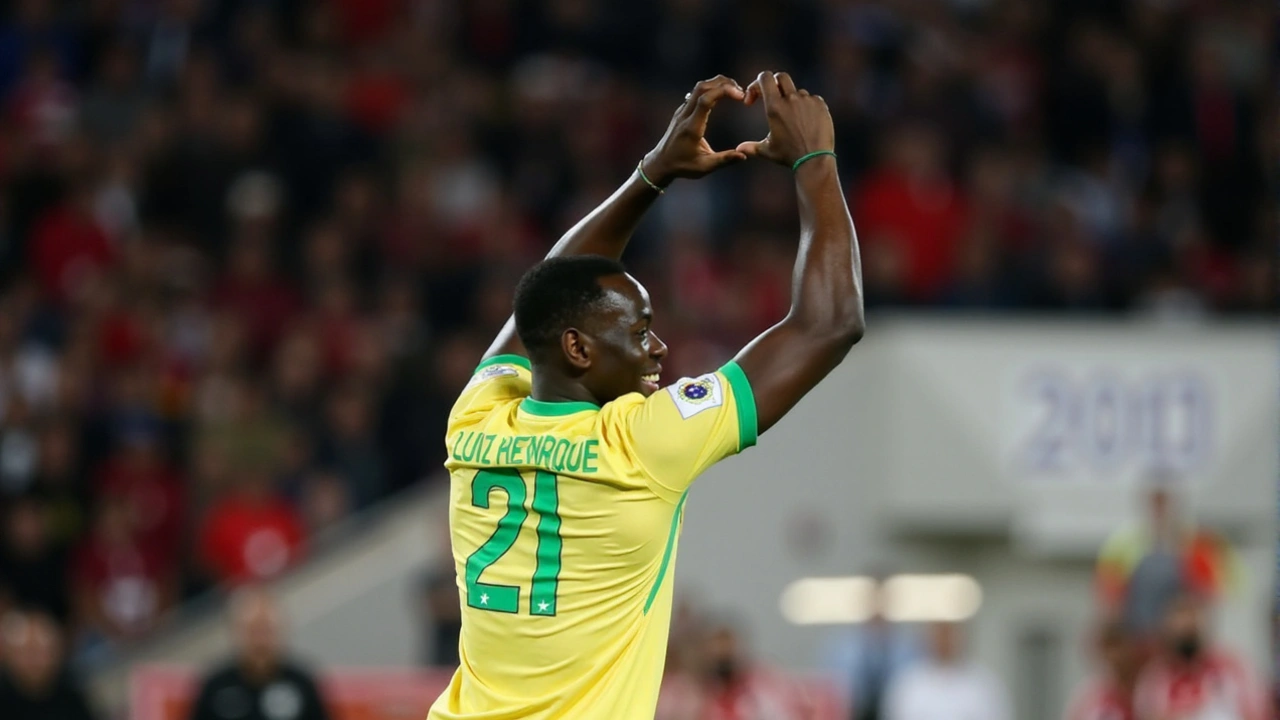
point(826, 316)
point(682, 152)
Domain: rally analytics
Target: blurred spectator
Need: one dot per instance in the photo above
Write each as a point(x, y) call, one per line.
point(261, 682)
point(910, 218)
point(120, 583)
point(440, 608)
point(350, 446)
point(252, 533)
point(255, 293)
point(35, 684)
point(864, 659)
point(1193, 677)
point(1144, 565)
point(729, 685)
point(323, 502)
point(678, 697)
point(33, 568)
point(68, 245)
point(946, 686)
point(1109, 695)
point(139, 475)
point(61, 483)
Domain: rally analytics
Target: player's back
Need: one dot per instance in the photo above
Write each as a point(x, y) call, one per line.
point(564, 519)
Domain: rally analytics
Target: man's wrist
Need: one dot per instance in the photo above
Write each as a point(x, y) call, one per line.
point(816, 167)
point(656, 171)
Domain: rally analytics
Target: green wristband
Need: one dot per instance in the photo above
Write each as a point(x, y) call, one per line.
point(805, 158)
point(647, 181)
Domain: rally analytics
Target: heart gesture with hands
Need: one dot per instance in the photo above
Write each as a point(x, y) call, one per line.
point(799, 124)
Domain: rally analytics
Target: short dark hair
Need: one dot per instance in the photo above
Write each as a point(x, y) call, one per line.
point(556, 294)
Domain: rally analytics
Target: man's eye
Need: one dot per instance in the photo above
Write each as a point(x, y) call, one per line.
point(643, 334)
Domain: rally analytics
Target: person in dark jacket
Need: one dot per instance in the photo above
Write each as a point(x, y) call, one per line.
point(35, 684)
point(261, 682)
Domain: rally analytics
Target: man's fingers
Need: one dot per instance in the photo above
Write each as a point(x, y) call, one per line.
point(708, 92)
point(752, 148)
point(785, 83)
point(766, 87)
point(727, 157)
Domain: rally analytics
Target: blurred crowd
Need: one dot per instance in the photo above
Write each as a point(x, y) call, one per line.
point(251, 249)
point(1154, 653)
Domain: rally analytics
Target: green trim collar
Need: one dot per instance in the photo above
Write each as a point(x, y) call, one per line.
point(555, 409)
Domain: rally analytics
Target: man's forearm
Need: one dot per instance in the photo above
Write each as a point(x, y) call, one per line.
point(827, 285)
point(608, 229)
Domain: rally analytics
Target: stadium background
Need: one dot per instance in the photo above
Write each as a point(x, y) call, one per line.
point(251, 249)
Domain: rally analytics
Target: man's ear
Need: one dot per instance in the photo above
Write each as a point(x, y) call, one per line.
point(577, 347)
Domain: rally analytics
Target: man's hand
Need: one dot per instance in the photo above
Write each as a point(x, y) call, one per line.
point(683, 151)
point(799, 123)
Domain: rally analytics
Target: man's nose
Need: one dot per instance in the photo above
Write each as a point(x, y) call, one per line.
point(658, 348)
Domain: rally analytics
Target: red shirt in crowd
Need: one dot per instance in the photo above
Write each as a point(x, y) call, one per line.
point(153, 492)
point(1220, 685)
point(66, 245)
point(266, 306)
point(1102, 699)
point(243, 539)
point(924, 220)
point(124, 579)
point(123, 339)
point(364, 22)
point(376, 100)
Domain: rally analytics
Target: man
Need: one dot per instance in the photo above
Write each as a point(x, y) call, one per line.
point(1142, 567)
point(35, 684)
point(570, 464)
point(1109, 696)
point(735, 688)
point(260, 683)
point(1193, 679)
point(863, 659)
point(945, 686)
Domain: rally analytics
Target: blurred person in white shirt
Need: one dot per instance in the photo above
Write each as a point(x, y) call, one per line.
point(863, 659)
point(946, 686)
point(1193, 678)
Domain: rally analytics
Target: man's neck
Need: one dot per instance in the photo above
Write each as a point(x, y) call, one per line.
point(548, 388)
point(258, 672)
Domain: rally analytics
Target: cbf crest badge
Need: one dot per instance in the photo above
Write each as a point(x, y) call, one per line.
point(693, 395)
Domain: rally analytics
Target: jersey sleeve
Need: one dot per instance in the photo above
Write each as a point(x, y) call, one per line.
point(499, 379)
point(685, 428)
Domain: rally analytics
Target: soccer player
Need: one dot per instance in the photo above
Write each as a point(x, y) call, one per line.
point(569, 461)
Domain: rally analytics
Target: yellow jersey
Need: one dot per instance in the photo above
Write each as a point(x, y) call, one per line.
point(564, 518)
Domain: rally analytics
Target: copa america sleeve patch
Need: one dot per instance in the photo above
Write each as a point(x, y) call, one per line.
point(492, 372)
point(693, 395)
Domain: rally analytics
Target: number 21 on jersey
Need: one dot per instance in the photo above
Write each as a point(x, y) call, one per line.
point(546, 573)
